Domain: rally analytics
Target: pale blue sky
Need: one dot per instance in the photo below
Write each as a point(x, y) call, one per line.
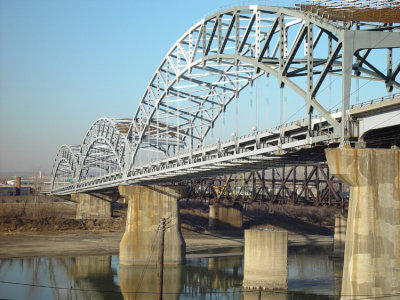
point(66, 63)
point(63, 64)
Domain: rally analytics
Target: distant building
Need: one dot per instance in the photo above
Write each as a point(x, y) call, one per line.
point(26, 182)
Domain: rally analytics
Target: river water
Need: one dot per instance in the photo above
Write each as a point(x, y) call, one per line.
point(312, 274)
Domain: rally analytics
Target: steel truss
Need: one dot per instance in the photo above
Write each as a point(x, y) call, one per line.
point(299, 185)
point(208, 67)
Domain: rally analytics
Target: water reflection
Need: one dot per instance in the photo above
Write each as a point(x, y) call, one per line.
point(140, 282)
point(82, 277)
point(311, 275)
point(216, 278)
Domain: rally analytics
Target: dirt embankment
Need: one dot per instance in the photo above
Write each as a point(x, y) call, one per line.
point(54, 224)
point(51, 217)
point(51, 229)
point(60, 217)
point(295, 219)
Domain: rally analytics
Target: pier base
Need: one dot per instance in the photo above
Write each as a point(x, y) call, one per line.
point(372, 252)
point(265, 259)
point(92, 206)
point(222, 218)
point(339, 237)
point(146, 206)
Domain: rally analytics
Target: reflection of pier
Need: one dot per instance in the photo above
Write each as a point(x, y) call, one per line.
point(98, 277)
point(219, 275)
point(82, 277)
point(198, 278)
point(140, 282)
point(88, 276)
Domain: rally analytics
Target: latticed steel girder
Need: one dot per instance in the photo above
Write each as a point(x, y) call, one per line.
point(213, 62)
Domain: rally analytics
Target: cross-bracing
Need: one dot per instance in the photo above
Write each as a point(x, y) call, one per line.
point(205, 71)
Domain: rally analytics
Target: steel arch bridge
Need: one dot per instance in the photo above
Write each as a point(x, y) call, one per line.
point(205, 70)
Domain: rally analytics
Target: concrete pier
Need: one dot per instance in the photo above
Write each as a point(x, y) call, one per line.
point(223, 218)
point(372, 253)
point(94, 205)
point(339, 237)
point(146, 206)
point(265, 259)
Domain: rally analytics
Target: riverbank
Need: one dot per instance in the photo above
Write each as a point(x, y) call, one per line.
point(40, 230)
point(19, 245)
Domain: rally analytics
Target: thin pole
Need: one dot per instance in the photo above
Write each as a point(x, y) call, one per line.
point(257, 109)
point(281, 111)
point(160, 263)
point(267, 102)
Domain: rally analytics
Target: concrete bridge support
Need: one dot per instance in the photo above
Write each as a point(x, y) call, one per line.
point(265, 259)
point(224, 218)
point(339, 238)
point(372, 252)
point(146, 206)
point(93, 205)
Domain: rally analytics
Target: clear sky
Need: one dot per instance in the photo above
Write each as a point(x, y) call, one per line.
point(65, 63)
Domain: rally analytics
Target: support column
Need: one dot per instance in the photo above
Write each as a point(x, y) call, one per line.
point(224, 218)
point(92, 205)
point(265, 259)
point(372, 252)
point(339, 237)
point(146, 206)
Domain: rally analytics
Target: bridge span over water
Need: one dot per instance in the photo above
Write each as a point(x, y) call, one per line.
point(207, 69)
point(204, 74)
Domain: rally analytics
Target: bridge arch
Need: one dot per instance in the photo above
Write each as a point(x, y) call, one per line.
point(219, 56)
point(65, 165)
point(215, 60)
point(105, 146)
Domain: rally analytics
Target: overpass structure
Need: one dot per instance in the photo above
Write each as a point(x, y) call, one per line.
point(205, 71)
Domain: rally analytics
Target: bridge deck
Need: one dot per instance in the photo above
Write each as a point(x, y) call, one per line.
point(279, 146)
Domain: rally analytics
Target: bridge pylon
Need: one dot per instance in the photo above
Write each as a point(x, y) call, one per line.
point(147, 205)
point(371, 258)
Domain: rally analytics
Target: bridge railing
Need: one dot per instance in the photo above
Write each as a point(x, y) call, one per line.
point(276, 129)
point(170, 163)
point(352, 106)
point(376, 100)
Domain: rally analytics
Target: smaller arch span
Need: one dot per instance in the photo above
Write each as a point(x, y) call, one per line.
point(65, 165)
point(104, 147)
